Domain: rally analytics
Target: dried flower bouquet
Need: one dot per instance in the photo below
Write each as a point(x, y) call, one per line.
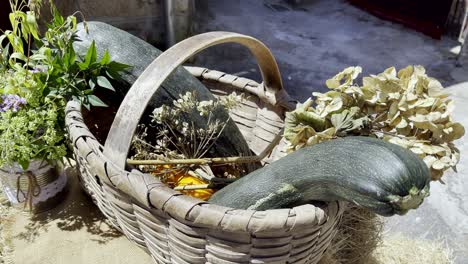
point(407, 108)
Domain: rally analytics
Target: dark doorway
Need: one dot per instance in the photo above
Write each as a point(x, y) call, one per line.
point(4, 20)
point(427, 16)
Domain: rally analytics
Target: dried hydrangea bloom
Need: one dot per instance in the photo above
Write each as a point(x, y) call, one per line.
point(404, 107)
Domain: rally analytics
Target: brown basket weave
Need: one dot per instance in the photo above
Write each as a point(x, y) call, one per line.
point(176, 228)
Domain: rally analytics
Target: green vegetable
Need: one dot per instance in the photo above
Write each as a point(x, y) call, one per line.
point(369, 172)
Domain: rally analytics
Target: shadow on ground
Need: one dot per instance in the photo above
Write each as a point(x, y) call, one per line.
point(77, 212)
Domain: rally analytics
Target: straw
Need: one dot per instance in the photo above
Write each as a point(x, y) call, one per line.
point(360, 240)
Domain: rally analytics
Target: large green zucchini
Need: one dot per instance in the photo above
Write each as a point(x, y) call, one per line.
point(371, 173)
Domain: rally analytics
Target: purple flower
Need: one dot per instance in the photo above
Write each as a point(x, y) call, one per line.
point(11, 101)
point(37, 70)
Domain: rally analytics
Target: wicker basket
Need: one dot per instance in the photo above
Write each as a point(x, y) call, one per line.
point(176, 228)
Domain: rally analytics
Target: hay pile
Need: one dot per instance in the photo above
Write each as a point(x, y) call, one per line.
point(399, 249)
point(359, 241)
point(359, 233)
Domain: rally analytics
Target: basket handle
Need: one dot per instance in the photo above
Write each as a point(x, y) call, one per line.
point(133, 105)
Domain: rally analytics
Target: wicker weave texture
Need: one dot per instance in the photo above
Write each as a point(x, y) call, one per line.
point(176, 228)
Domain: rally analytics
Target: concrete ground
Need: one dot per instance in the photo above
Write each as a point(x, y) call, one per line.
point(75, 232)
point(317, 39)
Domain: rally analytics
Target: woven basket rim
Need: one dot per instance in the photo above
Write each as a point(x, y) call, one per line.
point(186, 208)
point(181, 228)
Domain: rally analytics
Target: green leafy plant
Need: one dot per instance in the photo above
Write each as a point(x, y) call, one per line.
point(39, 73)
point(407, 108)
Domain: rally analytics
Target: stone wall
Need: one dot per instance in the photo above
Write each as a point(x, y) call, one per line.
point(143, 18)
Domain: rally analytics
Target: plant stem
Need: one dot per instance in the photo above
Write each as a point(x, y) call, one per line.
point(144, 143)
point(222, 160)
point(216, 137)
point(192, 187)
point(387, 133)
point(29, 53)
point(200, 161)
point(169, 138)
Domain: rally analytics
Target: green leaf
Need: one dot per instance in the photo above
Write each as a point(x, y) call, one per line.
point(105, 58)
point(88, 91)
point(38, 57)
point(95, 101)
point(12, 20)
point(113, 75)
point(58, 19)
point(18, 56)
point(91, 56)
point(114, 69)
point(103, 82)
point(15, 41)
point(25, 31)
point(82, 66)
point(72, 20)
point(32, 24)
point(24, 164)
point(72, 53)
point(87, 106)
point(47, 52)
point(69, 57)
point(2, 37)
point(117, 66)
point(92, 84)
point(6, 51)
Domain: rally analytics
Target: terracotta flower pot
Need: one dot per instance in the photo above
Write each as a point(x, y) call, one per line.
point(40, 188)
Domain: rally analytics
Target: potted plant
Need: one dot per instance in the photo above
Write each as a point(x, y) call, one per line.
point(39, 73)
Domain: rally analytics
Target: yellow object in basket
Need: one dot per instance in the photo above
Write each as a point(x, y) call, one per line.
point(203, 194)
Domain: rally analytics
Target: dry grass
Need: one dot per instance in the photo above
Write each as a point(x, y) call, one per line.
point(399, 249)
point(358, 235)
point(359, 241)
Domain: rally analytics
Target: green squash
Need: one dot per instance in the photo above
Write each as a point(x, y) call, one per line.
point(369, 172)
